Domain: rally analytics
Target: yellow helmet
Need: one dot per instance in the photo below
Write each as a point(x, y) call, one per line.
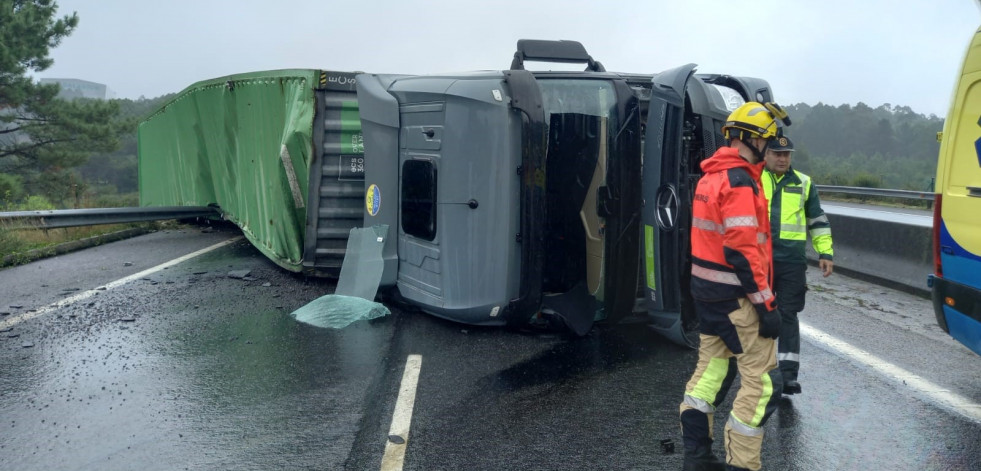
point(752, 120)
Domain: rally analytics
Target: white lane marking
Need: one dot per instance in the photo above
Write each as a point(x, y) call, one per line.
point(122, 281)
point(932, 392)
point(394, 456)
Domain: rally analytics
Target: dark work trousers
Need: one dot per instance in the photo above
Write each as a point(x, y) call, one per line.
point(789, 284)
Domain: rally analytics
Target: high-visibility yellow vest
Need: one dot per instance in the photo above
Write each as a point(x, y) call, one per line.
point(795, 212)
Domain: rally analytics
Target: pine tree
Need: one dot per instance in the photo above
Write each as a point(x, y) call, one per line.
point(41, 135)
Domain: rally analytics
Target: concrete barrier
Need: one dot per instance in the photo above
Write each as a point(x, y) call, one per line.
point(889, 248)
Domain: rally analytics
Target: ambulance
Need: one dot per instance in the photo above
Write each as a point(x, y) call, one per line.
point(956, 281)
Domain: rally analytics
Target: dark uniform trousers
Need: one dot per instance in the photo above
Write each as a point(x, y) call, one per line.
point(789, 285)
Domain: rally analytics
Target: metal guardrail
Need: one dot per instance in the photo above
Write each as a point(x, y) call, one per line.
point(52, 219)
point(883, 192)
point(861, 259)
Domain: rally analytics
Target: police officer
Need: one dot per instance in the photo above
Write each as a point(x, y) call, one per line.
point(795, 212)
point(731, 285)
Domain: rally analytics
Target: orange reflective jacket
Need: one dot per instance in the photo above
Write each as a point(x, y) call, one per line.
point(730, 236)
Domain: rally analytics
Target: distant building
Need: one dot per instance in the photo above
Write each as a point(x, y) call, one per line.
point(75, 88)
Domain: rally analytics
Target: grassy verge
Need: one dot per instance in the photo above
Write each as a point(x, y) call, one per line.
point(19, 246)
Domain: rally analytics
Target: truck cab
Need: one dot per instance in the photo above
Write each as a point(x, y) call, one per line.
point(515, 196)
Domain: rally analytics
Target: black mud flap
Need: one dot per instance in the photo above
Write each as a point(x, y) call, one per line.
point(575, 309)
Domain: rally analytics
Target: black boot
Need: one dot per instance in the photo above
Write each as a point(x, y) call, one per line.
point(702, 459)
point(791, 387)
point(730, 467)
point(696, 433)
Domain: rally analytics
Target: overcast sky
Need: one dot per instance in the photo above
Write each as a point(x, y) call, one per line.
point(902, 52)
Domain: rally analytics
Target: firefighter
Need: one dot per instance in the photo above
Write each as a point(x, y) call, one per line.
point(795, 212)
point(731, 285)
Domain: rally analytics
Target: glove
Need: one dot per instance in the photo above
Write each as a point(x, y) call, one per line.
point(769, 320)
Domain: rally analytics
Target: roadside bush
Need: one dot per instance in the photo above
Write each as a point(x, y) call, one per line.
point(124, 200)
point(11, 189)
point(35, 203)
point(866, 180)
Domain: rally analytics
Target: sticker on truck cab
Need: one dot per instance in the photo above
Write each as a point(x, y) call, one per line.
point(372, 199)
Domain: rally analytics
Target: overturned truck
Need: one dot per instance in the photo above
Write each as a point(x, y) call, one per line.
point(508, 197)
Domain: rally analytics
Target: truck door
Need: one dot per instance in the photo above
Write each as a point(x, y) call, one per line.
point(620, 202)
point(666, 215)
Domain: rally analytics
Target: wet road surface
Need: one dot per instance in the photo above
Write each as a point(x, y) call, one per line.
point(189, 368)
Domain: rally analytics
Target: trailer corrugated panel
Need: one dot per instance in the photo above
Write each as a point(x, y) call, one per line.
point(243, 142)
point(336, 175)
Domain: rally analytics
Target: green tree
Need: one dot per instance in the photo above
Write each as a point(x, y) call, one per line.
point(889, 146)
point(41, 134)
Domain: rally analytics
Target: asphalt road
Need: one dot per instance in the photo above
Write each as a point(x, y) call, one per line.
point(190, 368)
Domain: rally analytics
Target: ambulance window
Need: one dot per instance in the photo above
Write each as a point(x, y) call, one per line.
point(419, 199)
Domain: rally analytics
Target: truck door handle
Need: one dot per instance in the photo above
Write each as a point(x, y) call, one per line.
point(974, 191)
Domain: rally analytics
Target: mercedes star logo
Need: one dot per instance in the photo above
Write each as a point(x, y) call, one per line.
point(667, 208)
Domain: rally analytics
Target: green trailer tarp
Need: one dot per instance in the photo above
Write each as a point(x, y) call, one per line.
point(243, 142)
